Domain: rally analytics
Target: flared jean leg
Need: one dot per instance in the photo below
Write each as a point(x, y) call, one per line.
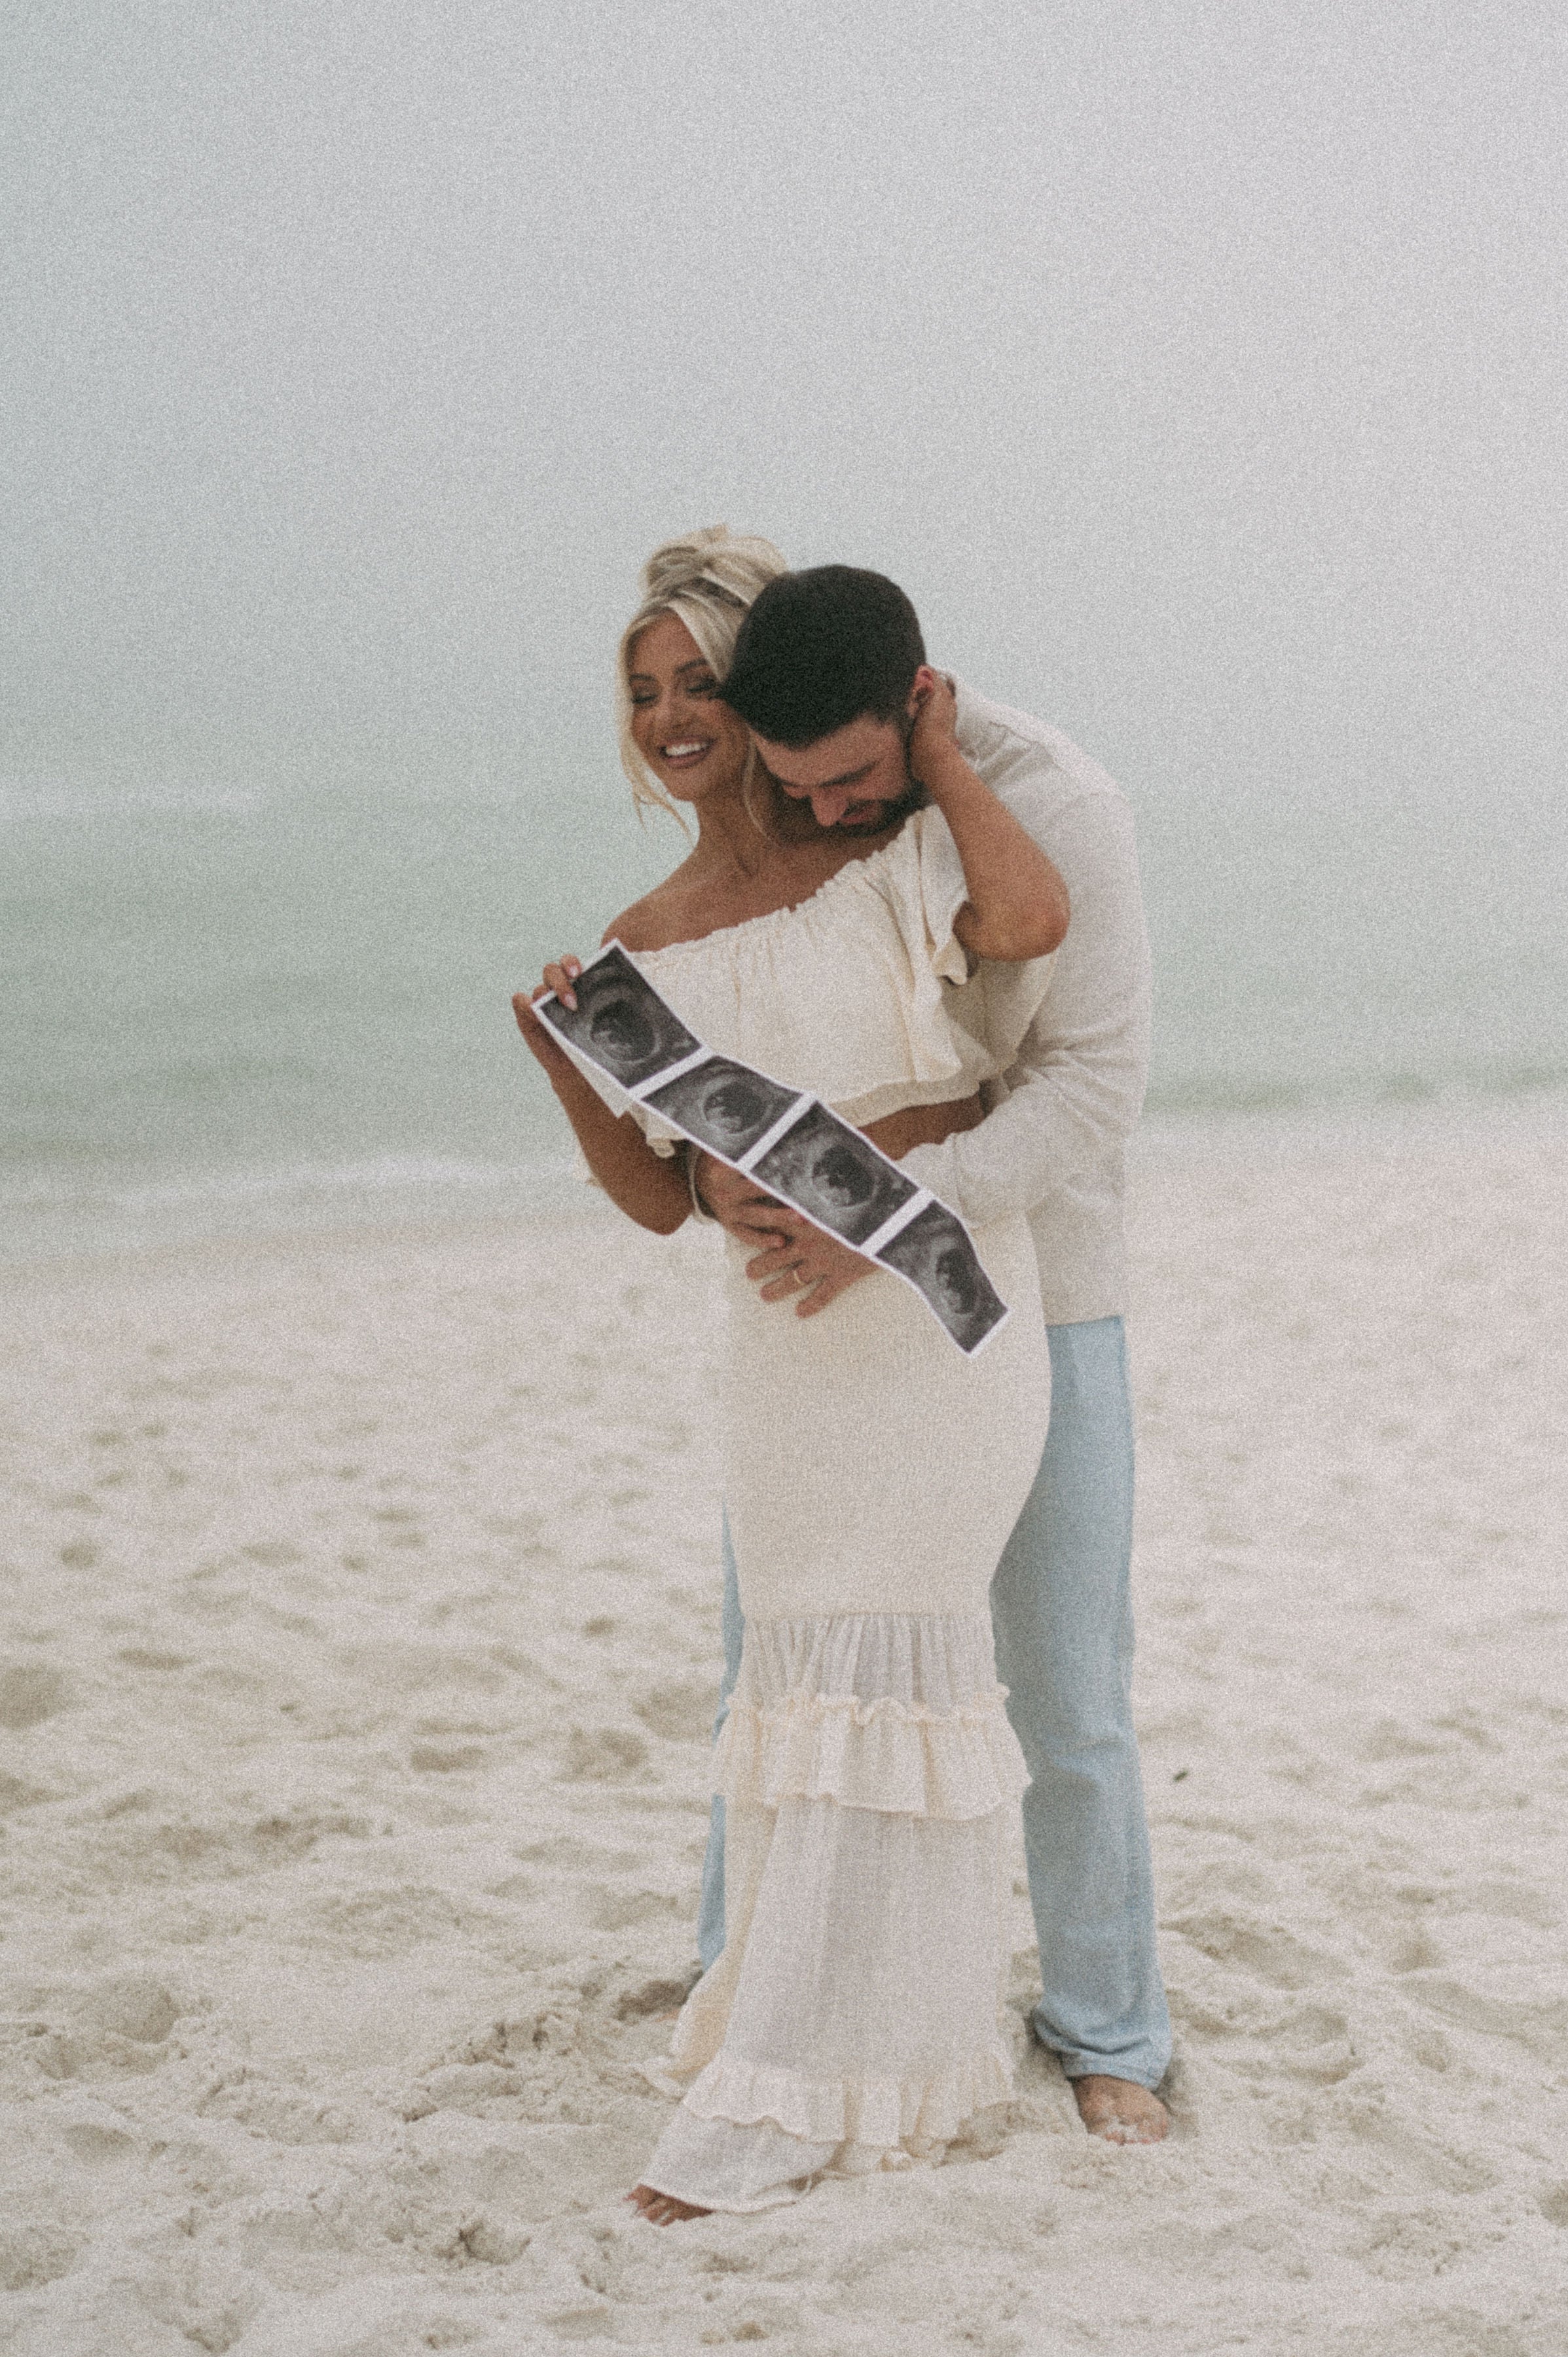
point(1061, 1608)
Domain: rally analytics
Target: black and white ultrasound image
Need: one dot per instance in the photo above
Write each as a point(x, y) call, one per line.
point(935, 1253)
point(835, 1176)
point(620, 1022)
point(821, 1166)
point(725, 1106)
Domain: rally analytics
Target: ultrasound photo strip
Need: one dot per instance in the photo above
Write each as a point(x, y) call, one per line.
point(796, 1147)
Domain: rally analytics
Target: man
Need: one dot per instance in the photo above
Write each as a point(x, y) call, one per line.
point(829, 730)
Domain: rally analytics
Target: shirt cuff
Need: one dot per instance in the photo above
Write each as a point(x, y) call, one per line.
point(936, 1167)
point(980, 1186)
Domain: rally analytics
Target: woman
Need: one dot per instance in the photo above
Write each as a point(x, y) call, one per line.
point(873, 1473)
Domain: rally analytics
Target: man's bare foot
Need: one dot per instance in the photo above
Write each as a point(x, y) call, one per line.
point(1120, 2110)
point(663, 2208)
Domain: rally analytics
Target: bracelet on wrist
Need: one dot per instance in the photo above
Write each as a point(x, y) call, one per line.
point(700, 1209)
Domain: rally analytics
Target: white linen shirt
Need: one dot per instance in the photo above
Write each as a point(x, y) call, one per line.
point(1054, 1139)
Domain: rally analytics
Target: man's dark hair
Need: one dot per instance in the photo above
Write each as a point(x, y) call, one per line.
point(820, 649)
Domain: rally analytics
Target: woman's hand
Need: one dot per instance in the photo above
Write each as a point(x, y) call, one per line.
point(647, 1186)
point(539, 1039)
point(1017, 904)
point(935, 729)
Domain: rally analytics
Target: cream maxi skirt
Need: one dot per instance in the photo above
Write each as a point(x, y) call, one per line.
point(868, 1768)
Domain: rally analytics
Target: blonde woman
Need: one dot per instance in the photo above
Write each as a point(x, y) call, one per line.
point(831, 932)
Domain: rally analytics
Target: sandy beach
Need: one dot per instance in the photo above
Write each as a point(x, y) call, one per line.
point(360, 1649)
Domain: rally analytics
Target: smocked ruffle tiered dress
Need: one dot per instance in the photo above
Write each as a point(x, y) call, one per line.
point(873, 1477)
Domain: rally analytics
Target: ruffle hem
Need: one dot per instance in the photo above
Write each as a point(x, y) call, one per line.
point(865, 1763)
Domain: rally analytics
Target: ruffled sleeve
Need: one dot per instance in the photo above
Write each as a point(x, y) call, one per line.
point(861, 994)
point(929, 889)
point(973, 1031)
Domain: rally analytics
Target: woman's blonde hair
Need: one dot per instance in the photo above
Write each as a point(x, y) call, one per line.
point(707, 580)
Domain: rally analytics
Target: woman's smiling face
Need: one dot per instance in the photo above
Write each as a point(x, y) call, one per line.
point(693, 744)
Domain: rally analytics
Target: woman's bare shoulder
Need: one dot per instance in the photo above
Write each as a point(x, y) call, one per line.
point(655, 920)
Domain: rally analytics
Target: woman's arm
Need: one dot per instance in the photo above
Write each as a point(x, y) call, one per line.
point(1017, 904)
point(651, 1188)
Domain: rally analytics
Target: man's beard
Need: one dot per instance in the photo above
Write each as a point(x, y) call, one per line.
point(913, 798)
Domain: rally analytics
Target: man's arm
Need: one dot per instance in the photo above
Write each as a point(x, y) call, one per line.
point(1069, 1101)
point(1072, 1097)
point(1077, 1089)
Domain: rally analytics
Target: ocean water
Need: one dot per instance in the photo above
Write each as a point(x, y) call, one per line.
point(228, 1006)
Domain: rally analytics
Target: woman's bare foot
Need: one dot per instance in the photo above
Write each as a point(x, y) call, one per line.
point(663, 2208)
point(1120, 2110)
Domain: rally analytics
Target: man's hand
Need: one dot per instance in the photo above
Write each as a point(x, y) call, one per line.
point(807, 1266)
point(737, 1203)
point(797, 1262)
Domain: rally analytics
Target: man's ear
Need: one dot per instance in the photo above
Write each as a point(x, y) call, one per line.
point(925, 679)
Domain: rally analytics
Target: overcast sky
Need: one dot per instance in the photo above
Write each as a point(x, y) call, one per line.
point(1200, 370)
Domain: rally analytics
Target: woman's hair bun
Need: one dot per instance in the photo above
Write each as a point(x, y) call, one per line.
point(736, 565)
point(678, 563)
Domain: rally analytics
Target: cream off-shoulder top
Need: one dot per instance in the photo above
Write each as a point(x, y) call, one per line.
point(861, 994)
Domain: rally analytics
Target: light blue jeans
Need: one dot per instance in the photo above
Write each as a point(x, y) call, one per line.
point(1061, 1608)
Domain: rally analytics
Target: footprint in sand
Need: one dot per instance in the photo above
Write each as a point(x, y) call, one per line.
point(115, 2027)
point(33, 2256)
point(603, 1754)
point(30, 1693)
point(1267, 1951)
